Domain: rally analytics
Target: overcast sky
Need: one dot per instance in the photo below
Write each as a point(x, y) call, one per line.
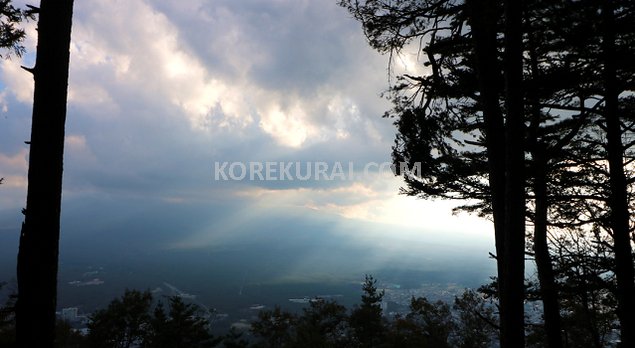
point(161, 90)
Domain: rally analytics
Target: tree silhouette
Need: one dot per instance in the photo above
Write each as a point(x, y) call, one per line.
point(133, 321)
point(471, 324)
point(595, 50)
point(11, 36)
point(476, 325)
point(7, 320)
point(583, 264)
point(463, 122)
point(366, 320)
point(234, 339)
point(275, 328)
point(39, 238)
point(618, 200)
point(322, 324)
point(126, 322)
point(457, 105)
point(181, 327)
point(435, 319)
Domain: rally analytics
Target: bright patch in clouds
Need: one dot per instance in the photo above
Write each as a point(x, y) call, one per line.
point(17, 81)
point(373, 201)
point(288, 127)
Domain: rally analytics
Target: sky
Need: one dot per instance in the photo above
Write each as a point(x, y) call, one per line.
point(161, 92)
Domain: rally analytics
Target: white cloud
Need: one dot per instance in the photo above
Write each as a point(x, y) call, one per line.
point(135, 49)
point(18, 81)
point(13, 169)
point(14, 164)
point(76, 149)
point(289, 127)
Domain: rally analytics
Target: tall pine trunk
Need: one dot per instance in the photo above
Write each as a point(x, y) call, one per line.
point(39, 239)
point(540, 156)
point(548, 291)
point(618, 199)
point(498, 136)
point(514, 267)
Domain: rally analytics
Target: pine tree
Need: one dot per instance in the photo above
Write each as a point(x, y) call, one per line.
point(366, 320)
point(39, 238)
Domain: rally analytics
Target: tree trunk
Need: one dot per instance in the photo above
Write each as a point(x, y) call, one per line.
point(618, 199)
point(483, 18)
point(548, 291)
point(540, 154)
point(514, 266)
point(514, 178)
point(39, 239)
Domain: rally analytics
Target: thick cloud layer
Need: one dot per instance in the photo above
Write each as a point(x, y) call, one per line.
point(161, 90)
